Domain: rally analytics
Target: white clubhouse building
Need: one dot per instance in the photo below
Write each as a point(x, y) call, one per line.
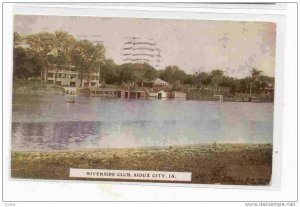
point(69, 76)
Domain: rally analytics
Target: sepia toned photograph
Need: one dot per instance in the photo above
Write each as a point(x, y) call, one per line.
point(143, 100)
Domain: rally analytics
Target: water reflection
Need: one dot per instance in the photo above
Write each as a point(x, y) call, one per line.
point(98, 123)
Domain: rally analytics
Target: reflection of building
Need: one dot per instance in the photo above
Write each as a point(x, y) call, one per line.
point(141, 50)
point(69, 76)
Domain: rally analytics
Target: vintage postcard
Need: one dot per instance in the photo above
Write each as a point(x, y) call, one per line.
point(143, 100)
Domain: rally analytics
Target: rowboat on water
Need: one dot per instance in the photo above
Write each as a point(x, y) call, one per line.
point(70, 101)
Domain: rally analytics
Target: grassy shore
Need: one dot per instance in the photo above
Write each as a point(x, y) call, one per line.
point(247, 164)
point(34, 87)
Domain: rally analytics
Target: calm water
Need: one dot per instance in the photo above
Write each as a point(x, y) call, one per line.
point(48, 122)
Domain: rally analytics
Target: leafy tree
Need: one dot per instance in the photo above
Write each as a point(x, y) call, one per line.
point(216, 77)
point(19, 61)
point(245, 85)
point(217, 73)
point(136, 72)
point(149, 72)
point(108, 72)
point(87, 57)
point(256, 74)
point(188, 79)
point(172, 74)
point(24, 65)
point(201, 78)
point(18, 40)
point(126, 73)
point(232, 83)
point(256, 84)
point(235, 86)
point(61, 45)
point(38, 46)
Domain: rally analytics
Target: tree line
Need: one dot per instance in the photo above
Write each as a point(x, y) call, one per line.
point(35, 52)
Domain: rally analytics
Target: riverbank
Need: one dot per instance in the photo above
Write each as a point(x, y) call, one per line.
point(34, 87)
point(237, 97)
point(243, 164)
point(37, 87)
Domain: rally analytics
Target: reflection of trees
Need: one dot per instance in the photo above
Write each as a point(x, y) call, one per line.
point(54, 135)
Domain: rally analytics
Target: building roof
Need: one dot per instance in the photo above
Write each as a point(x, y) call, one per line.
point(269, 84)
point(157, 81)
point(161, 91)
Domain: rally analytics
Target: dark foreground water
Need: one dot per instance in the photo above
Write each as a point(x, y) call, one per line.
point(48, 122)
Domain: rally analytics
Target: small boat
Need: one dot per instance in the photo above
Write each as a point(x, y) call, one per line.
point(70, 101)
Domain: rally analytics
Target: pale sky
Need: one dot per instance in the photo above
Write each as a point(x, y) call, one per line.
point(194, 45)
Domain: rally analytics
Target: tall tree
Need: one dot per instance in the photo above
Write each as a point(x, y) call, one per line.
point(25, 65)
point(87, 57)
point(256, 83)
point(19, 56)
point(216, 77)
point(201, 78)
point(62, 45)
point(98, 57)
point(149, 72)
point(107, 71)
point(38, 45)
point(256, 74)
point(18, 40)
point(173, 74)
